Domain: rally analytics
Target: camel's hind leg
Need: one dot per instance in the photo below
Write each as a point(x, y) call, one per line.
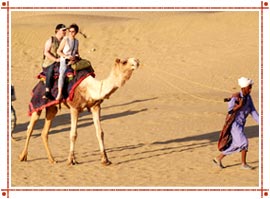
point(100, 134)
point(50, 114)
point(34, 118)
point(73, 135)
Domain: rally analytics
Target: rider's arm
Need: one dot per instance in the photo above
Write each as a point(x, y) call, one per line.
point(47, 50)
point(77, 52)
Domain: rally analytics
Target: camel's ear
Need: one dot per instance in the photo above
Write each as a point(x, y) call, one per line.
point(117, 60)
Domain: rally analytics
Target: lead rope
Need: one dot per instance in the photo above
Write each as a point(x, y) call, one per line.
point(188, 93)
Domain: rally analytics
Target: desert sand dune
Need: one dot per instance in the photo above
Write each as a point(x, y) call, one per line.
point(161, 128)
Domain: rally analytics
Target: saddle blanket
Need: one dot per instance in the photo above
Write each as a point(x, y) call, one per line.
point(72, 80)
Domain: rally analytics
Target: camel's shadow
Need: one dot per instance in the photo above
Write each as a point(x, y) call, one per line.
point(179, 145)
point(63, 119)
point(251, 131)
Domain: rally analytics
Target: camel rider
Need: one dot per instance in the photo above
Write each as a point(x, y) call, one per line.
point(50, 58)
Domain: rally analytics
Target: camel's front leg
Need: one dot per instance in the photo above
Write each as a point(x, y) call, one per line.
point(73, 135)
point(50, 114)
point(100, 134)
point(34, 118)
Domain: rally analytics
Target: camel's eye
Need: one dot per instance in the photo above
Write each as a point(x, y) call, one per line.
point(124, 62)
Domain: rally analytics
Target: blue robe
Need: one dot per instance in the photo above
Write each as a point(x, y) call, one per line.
point(239, 138)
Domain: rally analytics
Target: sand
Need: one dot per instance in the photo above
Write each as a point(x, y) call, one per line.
point(161, 128)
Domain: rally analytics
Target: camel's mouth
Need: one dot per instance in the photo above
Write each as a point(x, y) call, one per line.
point(136, 63)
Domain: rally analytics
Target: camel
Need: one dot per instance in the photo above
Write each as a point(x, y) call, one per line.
point(89, 94)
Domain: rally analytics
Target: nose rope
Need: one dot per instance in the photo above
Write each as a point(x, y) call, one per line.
point(193, 82)
point(184, 91)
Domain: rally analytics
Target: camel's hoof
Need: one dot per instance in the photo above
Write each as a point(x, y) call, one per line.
point(23, 157)
point(106, 163)
point(72, 162)
point(52, 162)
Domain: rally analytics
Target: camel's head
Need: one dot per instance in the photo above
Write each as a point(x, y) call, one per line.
point(128, 63)
point(124, 68)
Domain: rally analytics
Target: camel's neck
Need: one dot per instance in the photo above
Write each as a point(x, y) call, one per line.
point(110, 85)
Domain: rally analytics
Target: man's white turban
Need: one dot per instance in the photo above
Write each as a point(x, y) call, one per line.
point(244, 82)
